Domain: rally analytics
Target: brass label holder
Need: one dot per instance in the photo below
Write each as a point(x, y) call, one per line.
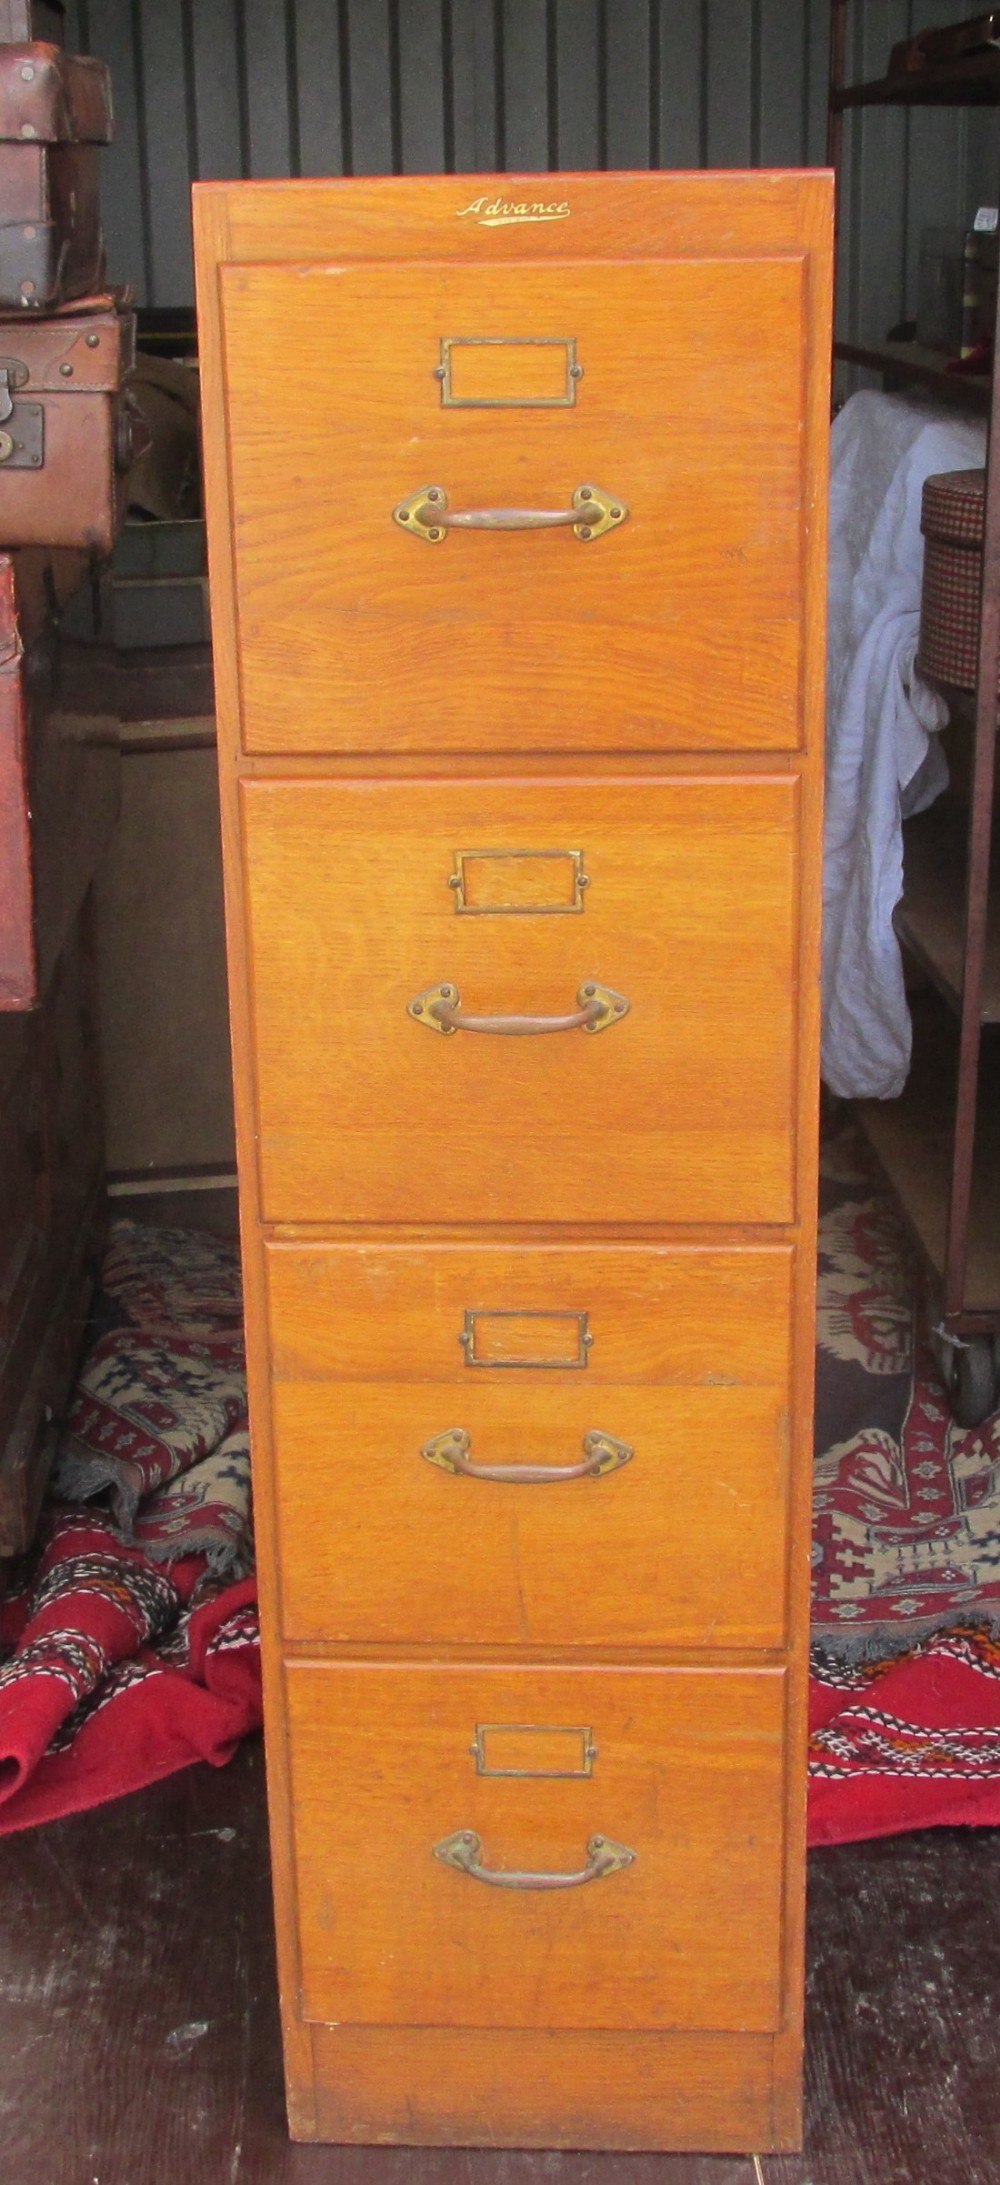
point(483, 1323)
point(570, 1746)
point(462, 882)
point(459, 343)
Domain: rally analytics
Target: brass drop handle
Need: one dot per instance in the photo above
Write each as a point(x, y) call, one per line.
point(509, 519)
point(426, 515)
point(440, 1008)
point(462, 1850)
point(601, 1454)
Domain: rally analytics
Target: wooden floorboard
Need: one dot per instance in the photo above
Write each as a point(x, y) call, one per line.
point(904, 1982)
point(139, 2034)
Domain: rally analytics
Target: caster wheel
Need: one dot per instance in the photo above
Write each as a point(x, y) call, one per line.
point(973, 1381)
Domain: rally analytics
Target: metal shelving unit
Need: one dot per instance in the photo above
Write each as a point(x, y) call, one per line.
point(939, 1144)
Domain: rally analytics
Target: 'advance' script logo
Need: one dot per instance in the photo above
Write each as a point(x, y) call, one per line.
point(502, 212)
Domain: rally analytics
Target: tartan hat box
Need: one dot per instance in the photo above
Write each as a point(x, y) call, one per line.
point(951, 519)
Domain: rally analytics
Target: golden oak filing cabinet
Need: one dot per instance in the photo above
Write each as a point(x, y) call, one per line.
point(516, 497)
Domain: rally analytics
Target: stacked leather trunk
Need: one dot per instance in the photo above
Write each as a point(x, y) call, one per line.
point(66, 350)
point(67, 343)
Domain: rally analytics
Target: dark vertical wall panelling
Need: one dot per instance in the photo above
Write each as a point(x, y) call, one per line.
point(212, 88)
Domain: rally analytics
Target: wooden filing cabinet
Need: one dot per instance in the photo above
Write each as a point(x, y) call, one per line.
point(517, 527)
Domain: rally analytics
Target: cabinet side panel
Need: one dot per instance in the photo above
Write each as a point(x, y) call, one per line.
point(211, 249)
point(817, 238)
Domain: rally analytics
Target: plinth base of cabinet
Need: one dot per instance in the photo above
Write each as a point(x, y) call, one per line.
point(706, 2093)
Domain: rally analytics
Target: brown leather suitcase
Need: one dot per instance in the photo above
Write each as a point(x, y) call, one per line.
point(55, 114)
point(58, 805)
point(59, 768)
point(68, 429)
point(51, 1221)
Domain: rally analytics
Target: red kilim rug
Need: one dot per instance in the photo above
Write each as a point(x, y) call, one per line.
point(905, 1691)
point(128, 1639)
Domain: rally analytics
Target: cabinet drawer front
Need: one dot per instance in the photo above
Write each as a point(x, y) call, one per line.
point(680, 628)
point(681, 1359)
point(681, 1768)
point(680, 1110)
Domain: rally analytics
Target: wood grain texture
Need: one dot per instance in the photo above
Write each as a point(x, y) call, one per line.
point(816, 400)
point(687, 1773)
point(524, 639)
point(550, 2090)
point(290, 967)
point(622, 216)
point(682, 1111)
point(684, 1546)
point(688, 1362)
point(628, 217)
point(214, 247)
point(674, 1316)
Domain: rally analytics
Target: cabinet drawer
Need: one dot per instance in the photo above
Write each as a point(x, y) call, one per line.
point(678, 629)
point(366, 897)
point(380, 1352)
point(682, 1768)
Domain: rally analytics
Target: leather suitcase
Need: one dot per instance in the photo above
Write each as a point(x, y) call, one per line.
point(68, 428)
point(58, 779)
point(58, 803)
point(51, 1219)
point(55, 114)
point(57, 809)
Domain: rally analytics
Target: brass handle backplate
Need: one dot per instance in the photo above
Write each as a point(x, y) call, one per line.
point(440, 1008)
point(601, 1454)
point(462, 1850)
point(426, 515)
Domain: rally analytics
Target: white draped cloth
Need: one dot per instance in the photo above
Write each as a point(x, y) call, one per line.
point(883, 759)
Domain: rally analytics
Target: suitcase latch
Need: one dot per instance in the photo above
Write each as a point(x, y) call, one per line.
point(22, 424)
point(13, 374)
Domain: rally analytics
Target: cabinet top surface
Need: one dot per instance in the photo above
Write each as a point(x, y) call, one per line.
point(514, 216)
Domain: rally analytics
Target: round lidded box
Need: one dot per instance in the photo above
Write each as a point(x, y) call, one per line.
point(951, 519)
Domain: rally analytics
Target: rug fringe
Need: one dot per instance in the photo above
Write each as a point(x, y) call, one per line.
point(890, 1642)
point(80, 1476)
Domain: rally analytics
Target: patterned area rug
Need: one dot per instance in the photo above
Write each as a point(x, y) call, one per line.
point(129, 1644)
point(905, 1691)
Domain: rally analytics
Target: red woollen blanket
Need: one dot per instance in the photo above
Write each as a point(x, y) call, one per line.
point(128, 1641)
